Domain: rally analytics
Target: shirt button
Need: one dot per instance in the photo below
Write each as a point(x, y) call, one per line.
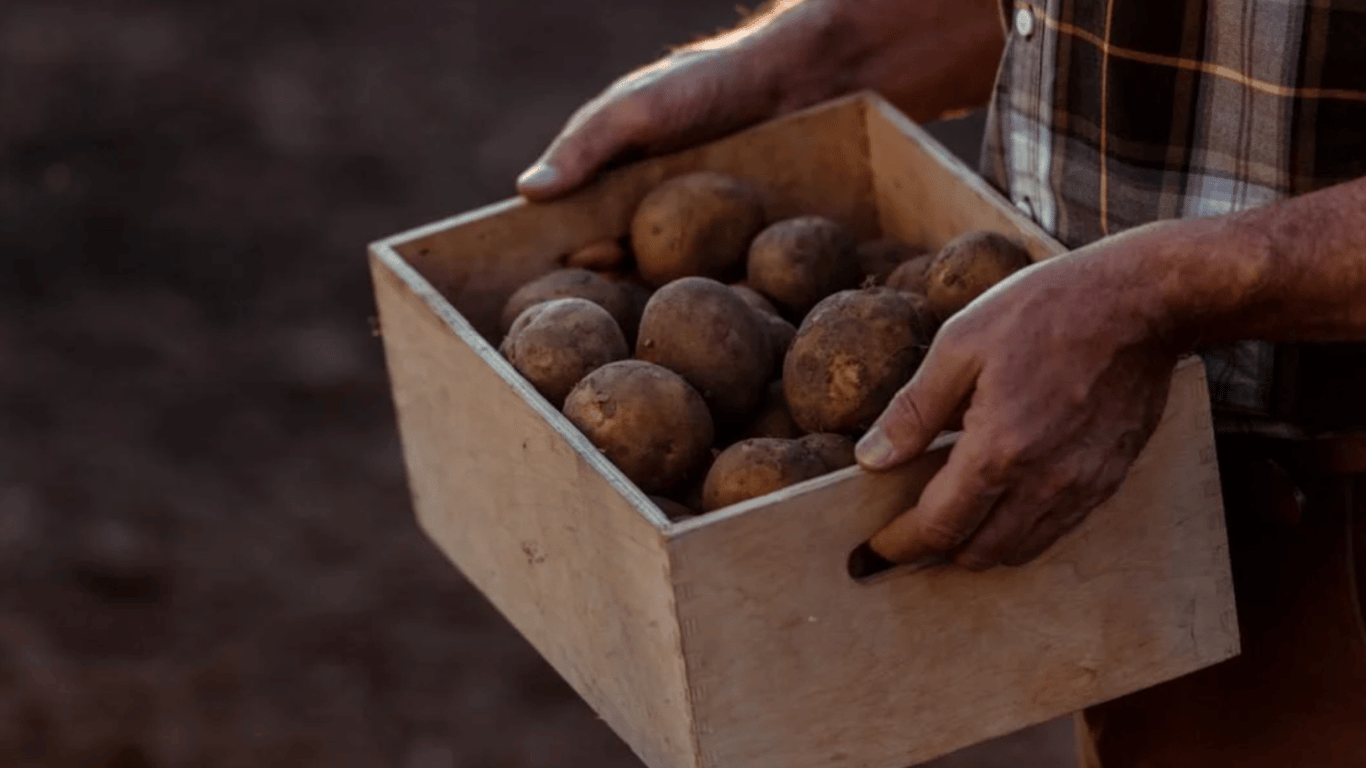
point(1025, 207)
point(1024, 21)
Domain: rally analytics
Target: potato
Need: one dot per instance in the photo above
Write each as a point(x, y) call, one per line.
point(968, 266)
point(755, 299)
point(695, 225)
point(911, 275)
point(780, 334)
point(780, 331)
point(674, 510)
point(637, 296)
point(572, 283)
point(852, 353)
point(877, 259)
point(929, 321)
point(834, 451)
point(752, 468)
point(773, 419)
point(646, 420)
point(703, 331)
point(797, 262)
point(555, 344)
point(600, 256)
point(690, 495)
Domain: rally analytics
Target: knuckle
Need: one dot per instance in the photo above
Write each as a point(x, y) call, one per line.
point(1006, 455)
point(942, 537)
point(1102, 486)
point(1077, 395)
point(633, 116)
point(1057, 480)
point(904, 414)
point(618, 116)
point(1112, 479)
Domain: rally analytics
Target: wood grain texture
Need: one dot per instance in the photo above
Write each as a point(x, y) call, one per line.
point(810, 162)
point(554, 536)
point(926, 197)
point(794, 665)
point(737, 639)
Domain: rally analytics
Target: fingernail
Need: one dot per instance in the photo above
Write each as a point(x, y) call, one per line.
point(874, 450)
point(539, 175)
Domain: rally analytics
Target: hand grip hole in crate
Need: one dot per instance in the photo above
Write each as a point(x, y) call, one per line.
point(866, 566)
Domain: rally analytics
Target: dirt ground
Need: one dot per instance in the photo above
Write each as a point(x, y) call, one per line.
point(206, 546)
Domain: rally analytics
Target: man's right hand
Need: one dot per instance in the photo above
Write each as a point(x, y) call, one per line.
point(927, 56)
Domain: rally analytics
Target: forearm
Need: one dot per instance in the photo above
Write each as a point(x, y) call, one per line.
point(1291, 271)
point(929, 57)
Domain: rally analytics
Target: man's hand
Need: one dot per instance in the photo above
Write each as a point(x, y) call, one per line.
point(1064, 367)
point(927, 56)
point(1064, 371)
point(685, 99)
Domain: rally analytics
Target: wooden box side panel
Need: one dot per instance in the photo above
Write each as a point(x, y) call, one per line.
point(521, 507)
point(794, 665)
point(926, 196)
point(810, 162)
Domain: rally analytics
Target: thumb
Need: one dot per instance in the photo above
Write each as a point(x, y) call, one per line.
point(592, 138)
point(929, 404)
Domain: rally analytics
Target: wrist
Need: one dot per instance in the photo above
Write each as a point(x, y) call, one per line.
point(1189, 281)
point(1213, 271)
point(793, 55)
point(807, 53)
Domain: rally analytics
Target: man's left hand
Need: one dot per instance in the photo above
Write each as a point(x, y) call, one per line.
point(1064, 373)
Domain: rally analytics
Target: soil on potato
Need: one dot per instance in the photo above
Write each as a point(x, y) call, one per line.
point(206, 542)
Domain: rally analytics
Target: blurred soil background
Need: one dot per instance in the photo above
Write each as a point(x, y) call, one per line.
point(207, 556)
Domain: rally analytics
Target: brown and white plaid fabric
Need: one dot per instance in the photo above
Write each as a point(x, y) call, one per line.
point(1109, 114)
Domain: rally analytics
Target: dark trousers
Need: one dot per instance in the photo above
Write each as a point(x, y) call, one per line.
point(1296, 696)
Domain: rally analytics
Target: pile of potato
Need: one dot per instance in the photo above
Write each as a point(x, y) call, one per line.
point(718, 356)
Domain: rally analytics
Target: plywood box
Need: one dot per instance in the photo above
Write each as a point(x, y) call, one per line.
point(738, 639)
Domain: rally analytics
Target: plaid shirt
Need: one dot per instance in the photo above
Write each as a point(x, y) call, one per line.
point(1109, 114)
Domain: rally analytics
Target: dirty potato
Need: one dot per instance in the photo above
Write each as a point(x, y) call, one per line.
point(877, 259)
point(773, 418)
point(910, 276)
point(646, 420)
point(797, 262)
point(698, 224)
point(555, 344)
point(571, 283)
point(834, 451)
point(780, 335)
point(967, 267)
point(752, 468)
point(676, 511)
point(852, 353)
point(702, 330)
point(636, 296)
point(755, 299)
point(599, 256)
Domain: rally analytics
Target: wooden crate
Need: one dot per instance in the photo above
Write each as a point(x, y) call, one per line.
point(738, 639)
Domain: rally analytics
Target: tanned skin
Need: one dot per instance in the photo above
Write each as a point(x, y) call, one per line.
point(1061, 372)
point(929, 57)
point(1065, 367)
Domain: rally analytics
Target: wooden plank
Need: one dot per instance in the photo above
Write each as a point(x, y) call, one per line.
point(927, 197)
point(551, 533)
point(794, 665)
point(810, 162)
point(738, 638)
